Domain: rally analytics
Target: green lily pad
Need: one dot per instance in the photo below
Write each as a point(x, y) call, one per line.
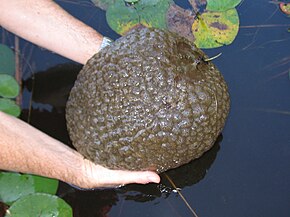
point(9, 107)
point(7, 60)
point(215, 29)
point(9, 87)
point(151, 13)
point(14, 186)
point(121, 18)
point(39, 204)
point(221, 5)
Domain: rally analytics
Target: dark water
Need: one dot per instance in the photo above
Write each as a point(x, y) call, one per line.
point(246, 174)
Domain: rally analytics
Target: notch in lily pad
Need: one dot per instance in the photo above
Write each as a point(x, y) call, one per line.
point(122, 18)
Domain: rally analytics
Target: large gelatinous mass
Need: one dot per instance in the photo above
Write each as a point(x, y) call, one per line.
point(148, 101)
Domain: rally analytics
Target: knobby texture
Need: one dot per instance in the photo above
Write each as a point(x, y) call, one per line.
point(149, 101)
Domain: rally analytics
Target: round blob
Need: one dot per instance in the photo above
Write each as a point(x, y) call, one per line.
point(150, 101)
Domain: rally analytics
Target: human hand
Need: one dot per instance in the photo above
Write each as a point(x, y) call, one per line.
point(97, 176)
point(25, 149)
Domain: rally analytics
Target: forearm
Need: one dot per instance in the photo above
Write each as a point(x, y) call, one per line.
point(46, 24)
point(28, 150)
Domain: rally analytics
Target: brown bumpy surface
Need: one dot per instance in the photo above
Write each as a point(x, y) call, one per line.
point(149, 101)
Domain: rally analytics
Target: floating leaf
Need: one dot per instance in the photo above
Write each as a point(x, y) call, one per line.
point(7, 60)
point(221, 5)
point(121, 18)
point(9, 87)
point(45, 185)
point(285, 8)
point(39, 204)
point(151, 13)
point(14, 185)
point(215, 29)
point(9, 107)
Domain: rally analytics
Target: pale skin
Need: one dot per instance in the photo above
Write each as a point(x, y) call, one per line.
point(25, 149)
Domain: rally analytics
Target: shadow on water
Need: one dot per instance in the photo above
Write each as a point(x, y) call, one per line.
point(183, 176)
point(50, 90)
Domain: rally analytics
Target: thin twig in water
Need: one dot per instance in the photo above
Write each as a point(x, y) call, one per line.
point(265, 26)
point(30, 100)
point(18, 69)
point(182, 197)
point(272, 111)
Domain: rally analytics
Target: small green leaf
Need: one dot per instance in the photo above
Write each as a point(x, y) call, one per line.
point(153, 13)
point(9, 87)
point(39, 204)
point(9, 107)
point(285, 8)
point(7, 60)
point(14, 185)
point(121, 18)
point(215, 29)
point(221, 5)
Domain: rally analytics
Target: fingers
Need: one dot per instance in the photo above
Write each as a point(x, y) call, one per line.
point(96, 176)
point(120, 177)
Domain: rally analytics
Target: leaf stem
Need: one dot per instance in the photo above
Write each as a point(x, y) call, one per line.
point(182, 197)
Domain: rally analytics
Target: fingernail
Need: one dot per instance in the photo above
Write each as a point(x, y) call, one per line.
point(154, 179)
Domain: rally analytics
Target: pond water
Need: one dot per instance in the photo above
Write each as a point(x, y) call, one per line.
point(246, 174)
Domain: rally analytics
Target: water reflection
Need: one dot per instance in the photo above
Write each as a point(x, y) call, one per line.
point(186, 175)
point(47, 93)
point(52, 87)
